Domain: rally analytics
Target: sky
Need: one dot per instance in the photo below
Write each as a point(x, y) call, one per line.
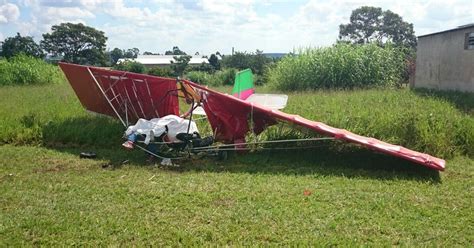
point(207, 26)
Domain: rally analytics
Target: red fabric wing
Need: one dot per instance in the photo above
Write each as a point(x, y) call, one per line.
point(228, 116)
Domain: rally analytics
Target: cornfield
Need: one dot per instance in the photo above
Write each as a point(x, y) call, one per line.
point(22, 69)
point(341, 66)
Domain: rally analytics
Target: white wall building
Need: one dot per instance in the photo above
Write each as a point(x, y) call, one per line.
point(163, 60)
point(445, 60)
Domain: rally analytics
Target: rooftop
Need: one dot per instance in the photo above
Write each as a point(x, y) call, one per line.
point(163, 60)
point(470, 25)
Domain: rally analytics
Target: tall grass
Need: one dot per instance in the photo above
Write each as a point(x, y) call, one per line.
point(432, 125)
point(51, 115)
point(341, 66)
point(424, 123)
point(22, 69)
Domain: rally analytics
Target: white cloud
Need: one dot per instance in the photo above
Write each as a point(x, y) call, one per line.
point(51, 13)
point(218, 25)
point(210, 25)
point(46, 13)
point(9, 12)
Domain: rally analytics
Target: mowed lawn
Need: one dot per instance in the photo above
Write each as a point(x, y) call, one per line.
point(323, 196)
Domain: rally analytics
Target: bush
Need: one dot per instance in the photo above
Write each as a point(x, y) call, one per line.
point(160, 71)
point(202, 67)
point(219, 78)
point(22, 69)
point(223, 77)
point(243, 60)
point(199, 77)
point(130, 66)
point(340, 66)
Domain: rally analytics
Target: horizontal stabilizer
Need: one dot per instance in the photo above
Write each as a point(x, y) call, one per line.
point(271, 101)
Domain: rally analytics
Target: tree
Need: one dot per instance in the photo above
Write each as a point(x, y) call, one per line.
point(180, 64)
point(21, 44)
point(77, 43)
point(118, 53)
point(398, 31)
point(131, 53)
point(150, 53)
point(175, 51)
point(239, 60)
point(370, 24)
point(205, 67)
point(130, 66)
point(160, 71)
point(242, 60)
point(115, 55)
point(214, 62)
point(259, 61)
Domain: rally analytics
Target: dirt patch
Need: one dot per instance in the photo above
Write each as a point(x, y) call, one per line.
point(52, 165)
point(224, 202)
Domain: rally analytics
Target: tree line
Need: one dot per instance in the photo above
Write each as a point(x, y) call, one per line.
point(81, 44)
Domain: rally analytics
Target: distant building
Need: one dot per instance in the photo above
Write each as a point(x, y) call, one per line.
point(53, 58)
point(445, 60)
point(163, 60)
point(274, 55)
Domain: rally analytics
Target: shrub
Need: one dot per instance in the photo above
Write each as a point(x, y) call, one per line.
point(202, 67)
point(340, 66)
point(130, 66)
point(243, 60)
point(199, 77)
point(160, 71)
point(219, 78)
point(22, 69)
point(223, 77)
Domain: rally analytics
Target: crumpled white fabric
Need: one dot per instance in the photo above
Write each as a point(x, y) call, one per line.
point(157, 126)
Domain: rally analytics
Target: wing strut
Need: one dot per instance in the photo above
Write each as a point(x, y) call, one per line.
point(106, 98)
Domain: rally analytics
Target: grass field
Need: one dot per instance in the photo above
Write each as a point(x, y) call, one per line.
point(323, 196)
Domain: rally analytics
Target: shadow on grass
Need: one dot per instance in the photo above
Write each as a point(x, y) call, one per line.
point(464, 101)
point(348, 162)
point(89, 130)
point(103, 137)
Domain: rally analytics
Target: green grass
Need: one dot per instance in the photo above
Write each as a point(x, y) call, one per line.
point(432, 125)
point(52, 115)
point(51, 197)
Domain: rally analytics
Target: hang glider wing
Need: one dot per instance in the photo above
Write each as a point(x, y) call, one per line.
point(123, 95)
point(229, 116)
point(129, 96)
